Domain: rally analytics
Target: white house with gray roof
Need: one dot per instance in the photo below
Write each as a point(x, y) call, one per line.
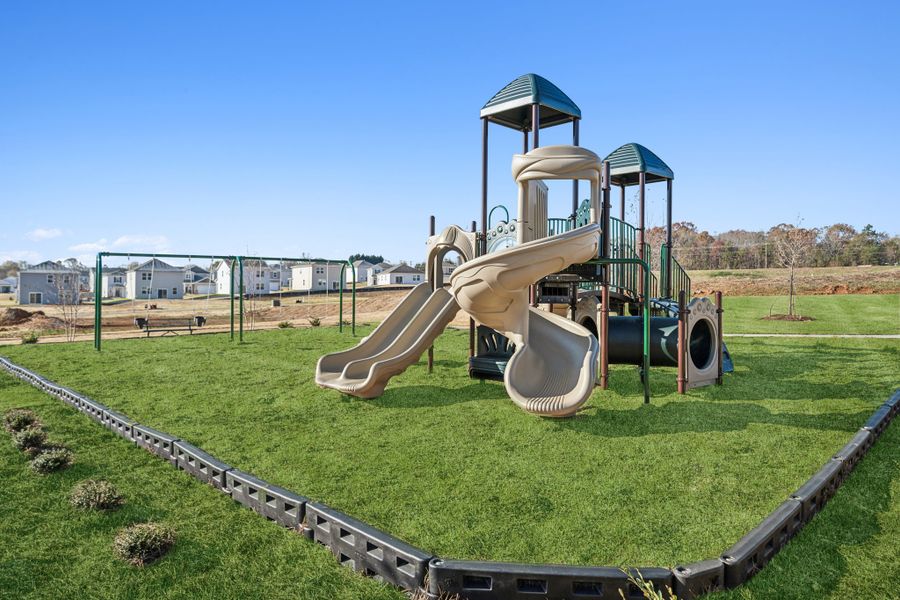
point(9, 285)
point(400, 275)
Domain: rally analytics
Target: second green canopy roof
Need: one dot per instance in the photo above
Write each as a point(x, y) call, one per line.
point(627, 162)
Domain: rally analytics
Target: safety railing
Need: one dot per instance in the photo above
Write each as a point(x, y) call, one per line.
point(557, 226)
point(680, 279)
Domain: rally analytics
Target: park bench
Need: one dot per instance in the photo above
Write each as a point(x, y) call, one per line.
point(171, 325)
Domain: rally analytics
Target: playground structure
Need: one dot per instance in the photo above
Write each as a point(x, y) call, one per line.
point(536, 287)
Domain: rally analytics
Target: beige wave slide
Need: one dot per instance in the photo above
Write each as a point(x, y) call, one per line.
point(396, 343)
point(553, 369)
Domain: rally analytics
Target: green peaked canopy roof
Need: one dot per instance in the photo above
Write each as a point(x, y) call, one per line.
point(511, 106)
point(628, 161)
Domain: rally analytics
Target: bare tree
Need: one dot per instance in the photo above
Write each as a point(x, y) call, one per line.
point(792, 244)
point(68, 296)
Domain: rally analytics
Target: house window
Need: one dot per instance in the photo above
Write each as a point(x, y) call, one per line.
point(162, 293)
point(320, 270)
point(146, 276)
point(188, 276)
point(398, 279)
point(416, 277)
point(174, 291)
point(145, 291)
point(321, 283)
point(36, 297)
point(65, 279)
point(117, 280)
point(276, 275)
point(260, 286)
point(50, 278)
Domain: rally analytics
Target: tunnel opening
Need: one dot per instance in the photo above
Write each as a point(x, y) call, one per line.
point(589, 324)
point(701, 344)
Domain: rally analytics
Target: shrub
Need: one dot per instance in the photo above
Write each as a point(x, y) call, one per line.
point(143, 543)
point(17, 419)
point(30, 338)
point(52, 459)
point(30, 440)
point(314, 321)
point(285, 325)
point(96, 495)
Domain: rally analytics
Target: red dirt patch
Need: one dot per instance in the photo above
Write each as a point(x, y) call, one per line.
point(787, 318)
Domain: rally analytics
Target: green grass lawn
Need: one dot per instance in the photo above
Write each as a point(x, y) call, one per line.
point(51, 550)
point(847, 314)
point(451, 465)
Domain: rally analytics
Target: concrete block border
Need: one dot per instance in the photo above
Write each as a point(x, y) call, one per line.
point(375, 553)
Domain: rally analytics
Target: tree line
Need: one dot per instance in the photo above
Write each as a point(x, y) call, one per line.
point(838, 245)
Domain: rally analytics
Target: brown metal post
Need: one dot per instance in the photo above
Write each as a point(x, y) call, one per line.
point(484, 180)
point(525, 141)
point(642, 182)
point(604, 338)
point(719, 311)
point(667, 293)
point(622, 203)
point(535, 125)
point(682, 332)
point(574, 181)
point(605, 209)
point(433, 287)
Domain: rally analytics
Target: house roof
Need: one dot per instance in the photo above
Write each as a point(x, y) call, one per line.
point(403, 269)
point(48, 266)
point(383, 265)
point(511, 106)
point(362, 263)
point(629, 160)
point(195, 268)
point(114, 270)
point(9, 281)
point(154, 264)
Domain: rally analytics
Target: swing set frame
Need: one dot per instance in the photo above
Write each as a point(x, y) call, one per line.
point(233, 260)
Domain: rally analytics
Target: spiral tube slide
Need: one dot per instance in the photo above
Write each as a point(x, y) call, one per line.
point(553, 369)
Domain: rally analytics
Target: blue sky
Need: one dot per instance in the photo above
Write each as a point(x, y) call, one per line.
point(283, 129)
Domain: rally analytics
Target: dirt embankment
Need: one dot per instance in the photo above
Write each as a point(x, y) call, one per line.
point(16, 320)
point(807, 281)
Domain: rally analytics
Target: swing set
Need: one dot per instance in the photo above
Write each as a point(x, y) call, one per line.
point(174, 325)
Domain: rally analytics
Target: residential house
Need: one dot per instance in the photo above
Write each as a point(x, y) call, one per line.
point(317, 276)
point(375, 270)
point(400, 275)
point(8, 285)
point(154, 279)
point(447, 267)
point(279, 277)
point(112, 282)
point(361, 269)
point(48, 283)
point(197, 280)
point(257, 277)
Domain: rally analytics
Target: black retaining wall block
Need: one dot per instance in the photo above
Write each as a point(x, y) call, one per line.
point(366, 549)
point(119, 423)
point(753, 551)
point(879, 420)
point(93, 409)
point(478, 580)
point(271, 501)
point(819, 489)
point(201, 465)
point(893, 403)
point(855, 449)
point(158, 442)
point(695, 579)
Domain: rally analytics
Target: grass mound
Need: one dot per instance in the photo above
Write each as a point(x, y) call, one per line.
point(95, 494)
point(143, 543)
